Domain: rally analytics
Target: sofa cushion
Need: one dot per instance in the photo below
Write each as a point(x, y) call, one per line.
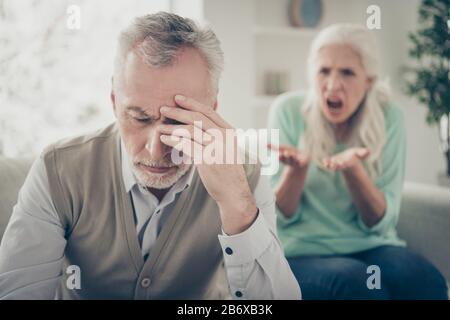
point(424, 223)
point(424, 220)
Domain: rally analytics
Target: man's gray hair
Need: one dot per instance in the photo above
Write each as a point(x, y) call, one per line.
point(158, 38)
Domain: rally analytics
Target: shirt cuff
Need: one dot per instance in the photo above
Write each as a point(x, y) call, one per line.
point(247, 246)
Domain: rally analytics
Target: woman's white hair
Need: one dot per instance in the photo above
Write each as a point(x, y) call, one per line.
point(159, 37)
point(367, 125)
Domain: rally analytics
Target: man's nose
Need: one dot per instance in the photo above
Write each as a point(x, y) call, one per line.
point(155, 147)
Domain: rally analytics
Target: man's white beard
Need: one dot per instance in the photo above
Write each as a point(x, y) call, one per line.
point(160, 181)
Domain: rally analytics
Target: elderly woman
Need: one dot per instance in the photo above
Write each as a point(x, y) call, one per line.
point(338, 192)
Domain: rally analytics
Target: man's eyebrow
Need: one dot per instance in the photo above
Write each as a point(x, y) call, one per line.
point(134, 108)
point(139, 110)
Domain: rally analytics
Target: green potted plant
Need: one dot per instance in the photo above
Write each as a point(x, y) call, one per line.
point(429, 79)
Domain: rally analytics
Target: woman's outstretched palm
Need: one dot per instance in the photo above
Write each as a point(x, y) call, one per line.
point(291, 156)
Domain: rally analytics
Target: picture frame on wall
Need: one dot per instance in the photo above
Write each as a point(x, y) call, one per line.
point(305, 13)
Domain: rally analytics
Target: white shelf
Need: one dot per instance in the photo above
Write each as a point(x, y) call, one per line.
point(284, 31)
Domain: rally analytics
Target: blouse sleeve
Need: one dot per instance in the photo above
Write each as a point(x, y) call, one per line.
point(285, 116)
point(390, 181)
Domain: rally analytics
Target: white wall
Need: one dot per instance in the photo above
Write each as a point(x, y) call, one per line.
point(191, 8)
point(424, 159)
point(234, 21)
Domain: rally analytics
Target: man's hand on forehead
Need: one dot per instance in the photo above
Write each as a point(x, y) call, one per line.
point(197, 122)
point(189, 109)
point(192, 119)
point(202, 127)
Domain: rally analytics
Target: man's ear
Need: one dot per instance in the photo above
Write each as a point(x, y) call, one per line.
point(113, 96)
point(113, 100)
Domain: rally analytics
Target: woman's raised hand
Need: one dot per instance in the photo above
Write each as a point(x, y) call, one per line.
point(346, 159)
point(291, 156)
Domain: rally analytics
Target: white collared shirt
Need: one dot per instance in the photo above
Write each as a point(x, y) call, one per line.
point(150, 213)
point(32, 248)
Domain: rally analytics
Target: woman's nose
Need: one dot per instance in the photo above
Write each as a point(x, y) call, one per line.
point(334, 83)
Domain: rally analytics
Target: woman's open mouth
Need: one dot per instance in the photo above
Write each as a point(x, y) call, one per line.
point(335, 105)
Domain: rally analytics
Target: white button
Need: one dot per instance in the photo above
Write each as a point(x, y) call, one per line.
point(145, 283)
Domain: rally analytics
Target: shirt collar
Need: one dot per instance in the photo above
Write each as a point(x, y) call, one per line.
point(130, 179)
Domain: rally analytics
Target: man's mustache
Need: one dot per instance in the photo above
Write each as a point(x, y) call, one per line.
point(151, 163)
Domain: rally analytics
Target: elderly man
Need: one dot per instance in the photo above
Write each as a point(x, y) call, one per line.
point(114, 208)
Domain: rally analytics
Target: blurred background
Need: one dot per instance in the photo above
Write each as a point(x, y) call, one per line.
point(55, 74)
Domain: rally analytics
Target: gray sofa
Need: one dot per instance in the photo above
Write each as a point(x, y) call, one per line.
point(424, 219)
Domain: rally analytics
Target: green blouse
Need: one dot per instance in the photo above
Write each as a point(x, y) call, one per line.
point(327, 221)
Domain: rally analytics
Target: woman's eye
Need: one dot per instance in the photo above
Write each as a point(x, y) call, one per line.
point(348, 72)
point(324, 71)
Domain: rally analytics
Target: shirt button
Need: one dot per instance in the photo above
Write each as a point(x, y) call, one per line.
point(238, 294)
point(145, 283)
point(229, 251)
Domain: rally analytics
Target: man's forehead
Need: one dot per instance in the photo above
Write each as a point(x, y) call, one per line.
point(187, 72)
point(151, 100)
point(149, 87)
point(150, 106)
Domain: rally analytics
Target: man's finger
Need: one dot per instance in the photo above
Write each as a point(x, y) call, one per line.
point(187, 117)
point(186, 131)
point(193, 105)
point(188, 147)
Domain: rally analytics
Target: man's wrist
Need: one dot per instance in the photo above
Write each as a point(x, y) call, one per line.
point(237, 216)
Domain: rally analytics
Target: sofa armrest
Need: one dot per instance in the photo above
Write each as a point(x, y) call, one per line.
point(424, 223)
